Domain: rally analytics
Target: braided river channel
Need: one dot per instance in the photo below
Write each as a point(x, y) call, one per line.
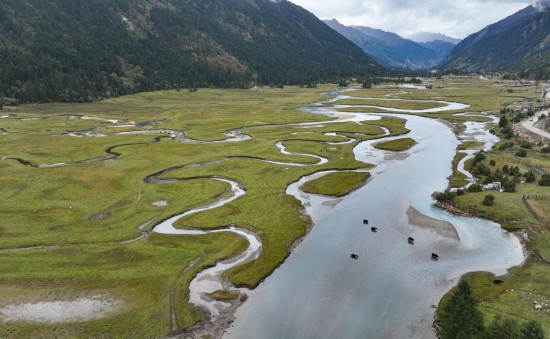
point(391, 289)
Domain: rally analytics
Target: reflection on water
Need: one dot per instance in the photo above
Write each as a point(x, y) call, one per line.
point(388, 292)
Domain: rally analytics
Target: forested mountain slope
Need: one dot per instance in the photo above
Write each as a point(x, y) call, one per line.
point(509, 43)
point(81, 50)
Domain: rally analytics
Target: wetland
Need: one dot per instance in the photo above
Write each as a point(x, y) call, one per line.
point(248, 229)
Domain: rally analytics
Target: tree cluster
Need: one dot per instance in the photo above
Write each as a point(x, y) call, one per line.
point(459, 318)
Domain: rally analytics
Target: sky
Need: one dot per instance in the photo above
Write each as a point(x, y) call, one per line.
point(456, 18)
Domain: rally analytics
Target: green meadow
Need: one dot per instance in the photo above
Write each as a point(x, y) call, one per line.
point(336, 184)
point(86, 228)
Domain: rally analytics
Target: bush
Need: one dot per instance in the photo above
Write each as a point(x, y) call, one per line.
point(502, 328)
point(526, 145)
point(444, 196)
point(545, 150)
point(521, 153)
point(545, 180)
point(530, 177)
point(475, 188)
point(509, 186)
point(479, 158)
point(481, 169)
point(489, 200)
point(492, 162)
point(531, 330)
point(342, 83)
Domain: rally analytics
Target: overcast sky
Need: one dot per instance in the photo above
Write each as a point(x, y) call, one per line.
point(456, 18)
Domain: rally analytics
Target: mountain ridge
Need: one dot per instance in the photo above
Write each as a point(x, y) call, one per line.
point(389, 48)
point(425, 37)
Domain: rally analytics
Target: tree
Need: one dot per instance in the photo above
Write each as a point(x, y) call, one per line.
point(489, 200)
point(509, 186)
point(503, 122)
point(532, 330)
point(479, 157)
point(530, 177)
point(459, 317)
point(367, 83)
point(545, 180)
point(502, 329)
point(521, 153)
point(474, 188)
point(447, 196)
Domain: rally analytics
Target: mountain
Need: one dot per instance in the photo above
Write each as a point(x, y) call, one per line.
point(441, 48)
point(429, 37)
point(389, 48)
point(81, 50)
point(509, 43)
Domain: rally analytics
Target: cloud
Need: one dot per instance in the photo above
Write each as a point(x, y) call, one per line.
point(457, 18)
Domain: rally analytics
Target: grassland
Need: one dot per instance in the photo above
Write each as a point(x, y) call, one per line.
point(458, 178)
point(397, 145)
point(400, 104)
point(92, 218)
point(469, 144)
point(336, 184)
point(85, 213)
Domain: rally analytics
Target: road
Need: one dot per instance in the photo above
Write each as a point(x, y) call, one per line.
point(529, 125)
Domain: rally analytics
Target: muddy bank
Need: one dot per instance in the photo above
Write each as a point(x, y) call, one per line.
point(62, 311)
point(441, 227)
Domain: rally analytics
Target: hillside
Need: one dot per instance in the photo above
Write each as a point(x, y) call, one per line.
point(81, 50)
point(509, 43)
point(389, 48)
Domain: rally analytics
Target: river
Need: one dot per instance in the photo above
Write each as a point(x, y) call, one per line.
point(388, 292)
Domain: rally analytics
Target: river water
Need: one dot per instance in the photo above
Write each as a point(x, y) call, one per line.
point(320, 292)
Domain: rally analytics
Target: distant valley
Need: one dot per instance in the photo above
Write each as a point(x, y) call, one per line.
point(392, 50)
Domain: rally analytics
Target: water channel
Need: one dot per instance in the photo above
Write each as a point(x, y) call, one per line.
point(388, 292)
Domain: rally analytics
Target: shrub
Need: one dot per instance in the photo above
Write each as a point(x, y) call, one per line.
point(444, 196)
point(531, 330)
point(526, 145)
point(475, 188)
point(521, 153)
point(509, 186)
point(530, 177)
point(489, 200)
point(479, 158)
point(545, 180)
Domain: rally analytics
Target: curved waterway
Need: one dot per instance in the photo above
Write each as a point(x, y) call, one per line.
point(388, 292)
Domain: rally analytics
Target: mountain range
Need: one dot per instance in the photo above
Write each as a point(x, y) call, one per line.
point(82, 50)
point(391, 49)
point(520, 42)
point(429, 37)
